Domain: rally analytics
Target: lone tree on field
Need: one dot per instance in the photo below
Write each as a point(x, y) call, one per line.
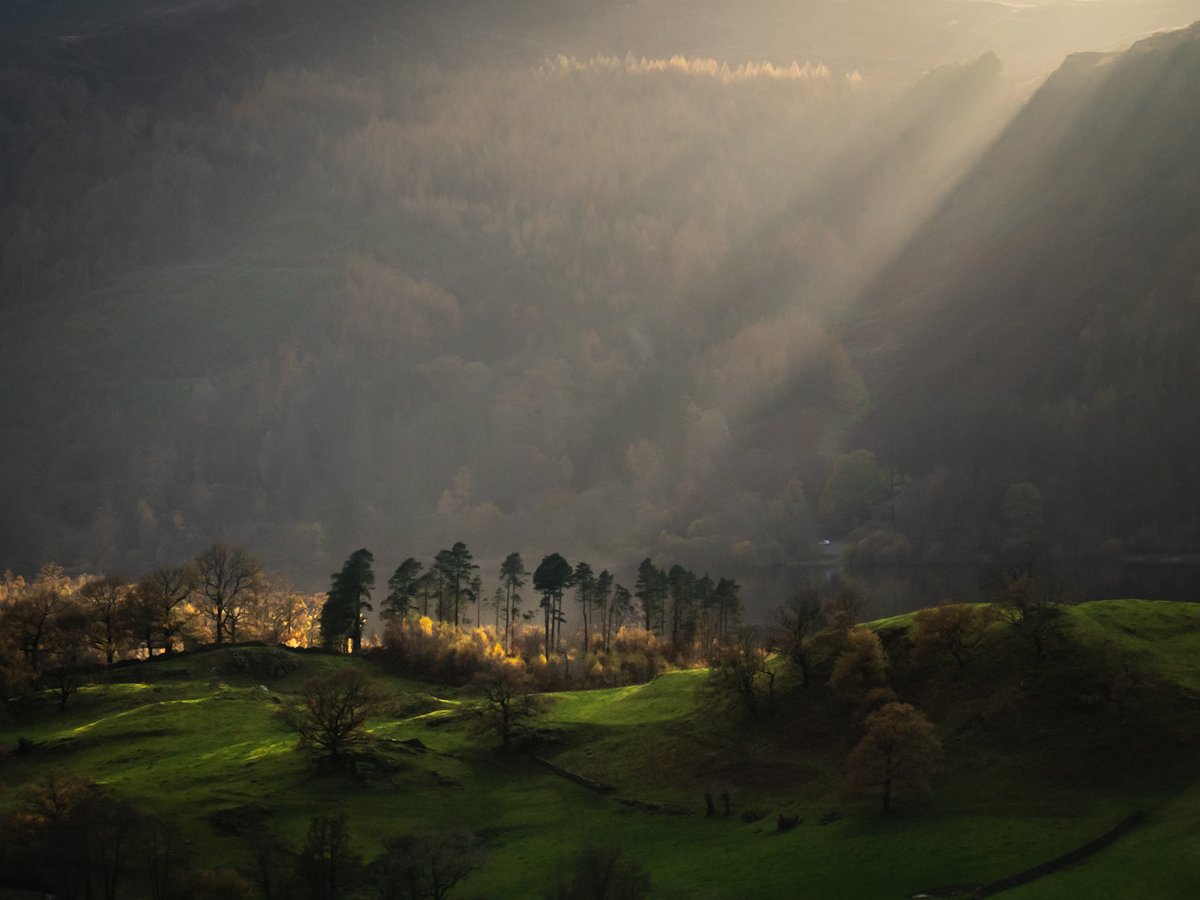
point(509, 703)
point(898, 752)
point(333, 708)
point(349, 595)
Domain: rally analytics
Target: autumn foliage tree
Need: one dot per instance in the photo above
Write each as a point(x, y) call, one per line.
point(861, 667)
point(899, 752)
point(951, 629)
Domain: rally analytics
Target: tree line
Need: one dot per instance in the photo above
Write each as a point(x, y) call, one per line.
point(55, 625)
point(695, 613)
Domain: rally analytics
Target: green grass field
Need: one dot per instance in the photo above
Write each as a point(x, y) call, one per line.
point(189, 737)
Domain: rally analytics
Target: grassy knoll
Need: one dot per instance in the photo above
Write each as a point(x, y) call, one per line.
point(196, 736)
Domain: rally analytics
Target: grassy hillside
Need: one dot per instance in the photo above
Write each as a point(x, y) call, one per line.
point(193, 738)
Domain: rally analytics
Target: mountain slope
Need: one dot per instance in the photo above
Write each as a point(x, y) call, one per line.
point(1042, 327)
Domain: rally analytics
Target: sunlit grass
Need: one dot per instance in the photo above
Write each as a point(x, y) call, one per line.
point(188, 749)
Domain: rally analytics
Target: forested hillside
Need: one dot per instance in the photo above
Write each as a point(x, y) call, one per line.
point(310, 307)
point(1042, 329)
point(309, 276)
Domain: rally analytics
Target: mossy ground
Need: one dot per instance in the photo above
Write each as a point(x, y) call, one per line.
point(189, 737)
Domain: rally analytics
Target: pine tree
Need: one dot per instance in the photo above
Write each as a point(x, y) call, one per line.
point(342, 616)
point(456, 566)
point(551, 578)
point(403, 588)
point(512, 576)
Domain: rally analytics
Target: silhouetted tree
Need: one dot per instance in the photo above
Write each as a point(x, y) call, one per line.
point(107, 600)
point(425, 866)
point(224, 576)
point(726, 596)
point(403, 587)
point(28, 608)
point(620, 610)
point(680, 592)
point(157, 605)
point(1022, 582)
point(585, 585)
point(275, 864)
point(77, 836)
point(600, 597)
point(476, 597)
point(456, 566)
point(795, 624)
point(651, 588)
point(159, 857)
point(512, 578)
point(68, 635)
point(327, 866)
point(602, 873)
point(342, 615)
point(844, 609)
point(551, 578)
point(741, 670)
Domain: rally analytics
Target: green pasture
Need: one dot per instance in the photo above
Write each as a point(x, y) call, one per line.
point(191, 737)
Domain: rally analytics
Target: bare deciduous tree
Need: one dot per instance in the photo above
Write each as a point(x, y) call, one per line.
point(224, 577)
point(333, 708)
